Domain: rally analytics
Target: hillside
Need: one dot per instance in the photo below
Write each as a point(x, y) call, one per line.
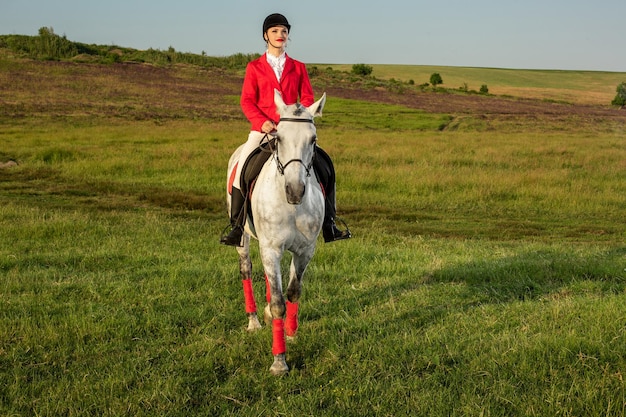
point(147, 91)
point(581, 87)
point(49, 75)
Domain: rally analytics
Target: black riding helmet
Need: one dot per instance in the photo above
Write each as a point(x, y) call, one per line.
point(275, 19)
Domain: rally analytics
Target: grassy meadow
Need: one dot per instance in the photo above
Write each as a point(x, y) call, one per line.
point(486, 276)
point(584, 87)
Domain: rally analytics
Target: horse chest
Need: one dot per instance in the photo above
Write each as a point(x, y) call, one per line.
point(269, 207)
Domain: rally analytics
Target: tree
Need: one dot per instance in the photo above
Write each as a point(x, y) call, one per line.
point(435, 79)
point(620, 98)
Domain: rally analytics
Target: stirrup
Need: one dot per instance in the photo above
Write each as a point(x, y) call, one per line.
point(346, 233)
point(224, 236)
point(343, 234)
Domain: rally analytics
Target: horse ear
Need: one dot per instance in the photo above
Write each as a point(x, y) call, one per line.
point(278, 100)
point(316, 108)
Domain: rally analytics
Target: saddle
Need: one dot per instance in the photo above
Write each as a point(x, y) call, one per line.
point(251, 168)
point(322, 166)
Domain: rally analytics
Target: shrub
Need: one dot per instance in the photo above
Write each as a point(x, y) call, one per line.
point(484, 89)
point(620, 98)
point(50, 46)
point(362, 69)
point(435, 79)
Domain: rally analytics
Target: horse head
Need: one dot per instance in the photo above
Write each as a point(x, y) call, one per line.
point(295, 144)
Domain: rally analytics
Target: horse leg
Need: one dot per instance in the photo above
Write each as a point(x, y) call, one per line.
point(277, 308)
point(299, 263)
point(267, 314)
point(245, 269)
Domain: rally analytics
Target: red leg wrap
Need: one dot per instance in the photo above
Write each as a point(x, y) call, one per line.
point(268, 291)
point(278, 334)
point(291, 321)
point(248, 295)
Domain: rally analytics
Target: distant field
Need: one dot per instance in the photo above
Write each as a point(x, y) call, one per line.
point(584, 87)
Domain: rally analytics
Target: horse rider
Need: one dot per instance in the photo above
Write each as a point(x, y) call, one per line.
point(274, 70)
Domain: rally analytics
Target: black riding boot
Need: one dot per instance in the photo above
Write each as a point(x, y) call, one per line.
point(236, 219)
point(325, 172)
point(329, 229)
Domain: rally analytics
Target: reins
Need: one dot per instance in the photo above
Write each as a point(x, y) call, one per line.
point(290, 119)
point(281, 167)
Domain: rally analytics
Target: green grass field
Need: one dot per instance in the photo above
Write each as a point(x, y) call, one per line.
point(486, 276)
point(585, 87)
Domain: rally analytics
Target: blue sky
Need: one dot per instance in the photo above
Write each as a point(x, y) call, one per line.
point(535, 34)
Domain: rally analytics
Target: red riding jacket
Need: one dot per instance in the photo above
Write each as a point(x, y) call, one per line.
point(257, 94)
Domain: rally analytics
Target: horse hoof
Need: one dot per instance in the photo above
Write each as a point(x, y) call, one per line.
point(279, 367)
point(253, 323)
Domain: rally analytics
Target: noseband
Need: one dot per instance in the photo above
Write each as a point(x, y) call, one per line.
point(281, 167)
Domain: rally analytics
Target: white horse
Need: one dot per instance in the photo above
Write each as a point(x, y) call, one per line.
point(287, 211)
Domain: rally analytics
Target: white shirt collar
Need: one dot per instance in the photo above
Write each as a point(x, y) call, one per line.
point(277, 63)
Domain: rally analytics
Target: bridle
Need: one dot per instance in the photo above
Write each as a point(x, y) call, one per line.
point(281, 167)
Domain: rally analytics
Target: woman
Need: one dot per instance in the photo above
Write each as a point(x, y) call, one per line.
point(274, 70)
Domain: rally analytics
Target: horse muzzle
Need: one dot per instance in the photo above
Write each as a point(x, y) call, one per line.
point(295, 193)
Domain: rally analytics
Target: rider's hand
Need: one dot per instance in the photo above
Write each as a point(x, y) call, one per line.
point(268, 126)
